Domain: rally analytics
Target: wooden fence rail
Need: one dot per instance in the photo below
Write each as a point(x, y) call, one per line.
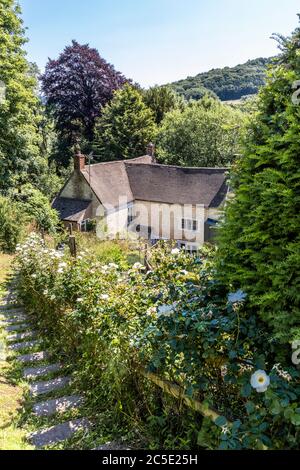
point(178, 392)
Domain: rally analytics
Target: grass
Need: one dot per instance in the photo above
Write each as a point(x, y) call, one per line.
point(5, 269)
point(11, 436)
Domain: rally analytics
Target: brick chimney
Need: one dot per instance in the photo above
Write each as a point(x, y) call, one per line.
point(151, 151)
point(79, 159)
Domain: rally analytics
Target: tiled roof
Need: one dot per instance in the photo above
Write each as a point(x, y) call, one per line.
point(177, 185)
point(70, 209)
point(139, 179)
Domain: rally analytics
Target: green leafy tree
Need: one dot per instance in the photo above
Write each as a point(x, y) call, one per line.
point(20, 158)
point(125, 127)
point(37, 208)
point(206, 133)
point(161, 100)
point(260, 238)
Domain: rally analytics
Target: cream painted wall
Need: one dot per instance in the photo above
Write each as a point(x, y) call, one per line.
point(78, 188)
point(166, 220)
point(116, 222)
point(213, 213)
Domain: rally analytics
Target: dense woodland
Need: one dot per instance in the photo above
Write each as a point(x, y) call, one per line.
point(229, 83)
point(221, 324)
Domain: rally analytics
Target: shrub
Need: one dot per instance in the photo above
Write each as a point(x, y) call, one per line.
point(105, 251)
point(12, 225)
point(38, 208)
point(176, 321)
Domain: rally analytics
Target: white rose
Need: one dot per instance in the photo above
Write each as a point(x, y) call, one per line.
point(104, 297)
point(260, 381)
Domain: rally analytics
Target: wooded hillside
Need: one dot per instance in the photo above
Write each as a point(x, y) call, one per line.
point(229, 83)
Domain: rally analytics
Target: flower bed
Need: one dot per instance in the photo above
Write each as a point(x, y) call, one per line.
point(176, 321)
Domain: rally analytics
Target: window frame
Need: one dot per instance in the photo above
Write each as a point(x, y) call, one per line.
point(192, 225)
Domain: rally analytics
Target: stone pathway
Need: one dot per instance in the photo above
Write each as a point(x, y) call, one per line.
point(22, 326)
point(36, 372)
point(58, 433)
point(57, 405)
point(14, 321)
point(49, 386)
point(21, 336)
point(23, 345)
point(33, 357)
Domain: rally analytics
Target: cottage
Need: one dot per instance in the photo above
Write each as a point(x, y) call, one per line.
point(142, 198)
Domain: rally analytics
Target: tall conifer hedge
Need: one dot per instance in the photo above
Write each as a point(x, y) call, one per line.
point(260, 237)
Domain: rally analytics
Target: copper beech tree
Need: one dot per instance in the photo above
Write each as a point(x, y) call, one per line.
point(76, 87)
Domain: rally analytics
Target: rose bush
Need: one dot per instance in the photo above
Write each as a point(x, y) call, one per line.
point(176, 320)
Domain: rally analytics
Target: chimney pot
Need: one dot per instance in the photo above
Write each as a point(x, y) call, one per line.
point(151, 150)
point(79, 159)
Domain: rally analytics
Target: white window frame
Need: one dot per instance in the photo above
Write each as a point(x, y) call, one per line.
point(192, 225)
point(83, 224)
point(191, 248)
point(130, 215)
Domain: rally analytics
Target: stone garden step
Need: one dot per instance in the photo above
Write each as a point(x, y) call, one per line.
point(14, 320)
point(36, 372)
point(23, 345)
point(48, 386)
point(21, 336)
point(58, 405)
point(20, 327)
point(10, 306)
point(112, 446)
point(9, 300)
point(34, 357)
point(58, 433)
point(11, 312)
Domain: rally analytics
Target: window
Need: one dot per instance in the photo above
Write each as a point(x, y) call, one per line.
point(192, 249)
point(189, 224)
point(189, 247)
point(131, 215)
point(85, 225)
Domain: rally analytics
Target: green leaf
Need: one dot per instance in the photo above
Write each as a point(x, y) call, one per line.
point(295, 419)
point(250, 407)
point(223, 445)
point(275, 408)
point(246, 391)
point(221, 421)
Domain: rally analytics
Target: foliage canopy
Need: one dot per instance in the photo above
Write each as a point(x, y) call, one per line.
point(126, 126)
point(206, 133)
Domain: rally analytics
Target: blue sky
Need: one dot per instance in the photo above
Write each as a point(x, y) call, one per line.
point(158, 41)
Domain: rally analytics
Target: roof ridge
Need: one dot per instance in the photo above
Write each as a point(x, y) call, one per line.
point(224, 168)
point(118, 161)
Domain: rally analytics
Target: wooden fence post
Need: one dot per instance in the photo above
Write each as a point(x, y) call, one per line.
point(72, 245)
